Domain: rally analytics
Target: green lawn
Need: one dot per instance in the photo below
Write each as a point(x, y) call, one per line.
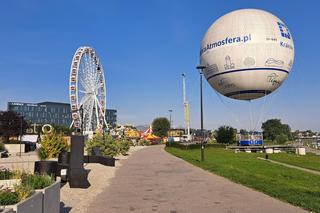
point(291, 185)
point(309, 161)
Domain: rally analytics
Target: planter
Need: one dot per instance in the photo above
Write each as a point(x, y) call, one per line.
point(63, 164)
point(7, 210)
point(14, 148)
point(63, 158)
point(46, 167)
point(91, 159)
point(107, 161)
point(96, 151)
point(31, 204)
point(51, 198)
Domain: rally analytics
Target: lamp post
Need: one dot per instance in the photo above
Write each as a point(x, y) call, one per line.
point(20, 142)
point(200, 68)
point(81, 114)
point(170, 111)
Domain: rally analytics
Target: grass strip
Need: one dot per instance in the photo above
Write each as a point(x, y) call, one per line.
point(291, 185)
point(308, 161)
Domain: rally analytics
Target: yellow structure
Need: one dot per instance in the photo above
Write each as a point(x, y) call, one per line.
point(175, 133)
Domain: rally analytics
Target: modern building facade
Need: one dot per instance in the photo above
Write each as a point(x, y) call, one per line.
point(52, 113)
point(111, 117)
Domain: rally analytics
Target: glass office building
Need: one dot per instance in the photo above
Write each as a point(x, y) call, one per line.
point(51, 113)
point(111, 117)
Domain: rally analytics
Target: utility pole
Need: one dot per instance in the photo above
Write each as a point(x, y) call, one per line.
point(186, 108)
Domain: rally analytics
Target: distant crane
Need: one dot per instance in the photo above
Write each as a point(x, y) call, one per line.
point(186, 108)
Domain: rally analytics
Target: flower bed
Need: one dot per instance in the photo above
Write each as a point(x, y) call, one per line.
point(31, 193)
point(9, 178)
point(7, 196)
point(37, 181)
point(5, 173)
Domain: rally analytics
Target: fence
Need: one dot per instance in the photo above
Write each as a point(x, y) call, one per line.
point(193, 146)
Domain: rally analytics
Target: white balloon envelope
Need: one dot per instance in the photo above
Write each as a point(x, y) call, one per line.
point(248, 54)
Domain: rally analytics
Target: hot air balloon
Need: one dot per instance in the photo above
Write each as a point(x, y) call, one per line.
point(247, 54)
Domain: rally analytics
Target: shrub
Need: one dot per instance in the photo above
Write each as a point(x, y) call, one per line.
point(281, 139)
point(111, 149)
point(108, 145)
point(43, 153)
point(5, 173)
point(8, 197)
point(52, 145)
point(131, 143)
point(96, 141)
point(37, 181)
point(124, 146)
point(23, 191)
point(144, 142)
point(18, 174)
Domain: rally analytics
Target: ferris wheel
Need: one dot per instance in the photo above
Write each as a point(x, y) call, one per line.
point(87, 91)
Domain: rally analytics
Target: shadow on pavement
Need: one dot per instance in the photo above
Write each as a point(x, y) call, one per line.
point(64, 209)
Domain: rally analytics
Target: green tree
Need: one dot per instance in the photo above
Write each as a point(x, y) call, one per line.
point(273, 128)
point(243, 131)
point(225, 134)
point(12, 124)
point(287, 131)
point(281, 139)
point(161, 126)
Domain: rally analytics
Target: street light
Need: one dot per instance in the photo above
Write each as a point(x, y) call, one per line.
point(200, 68)
point(170, 111)
point(21, 117)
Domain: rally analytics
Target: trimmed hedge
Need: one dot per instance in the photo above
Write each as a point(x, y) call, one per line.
point(193, 146)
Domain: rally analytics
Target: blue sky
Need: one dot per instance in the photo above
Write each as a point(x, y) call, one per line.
point(144, 46)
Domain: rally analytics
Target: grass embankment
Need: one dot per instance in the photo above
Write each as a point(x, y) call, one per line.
point(308, 161)
point(291, 185)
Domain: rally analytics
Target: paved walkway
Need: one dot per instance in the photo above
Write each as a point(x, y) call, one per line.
point(24, 162)
point(152, 180)
point(291, 166)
